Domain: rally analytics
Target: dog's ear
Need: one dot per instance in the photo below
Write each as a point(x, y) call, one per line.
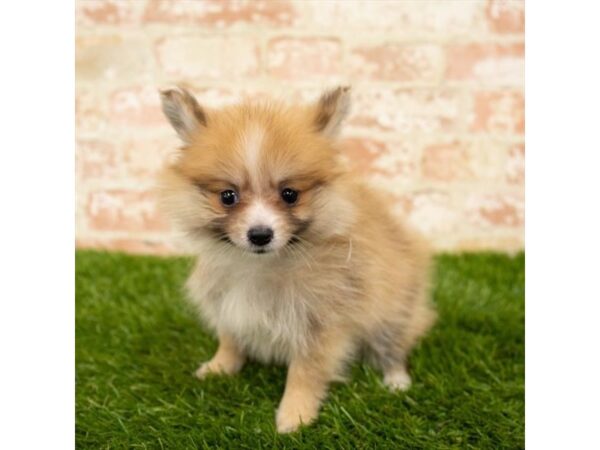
point(331, 110)
point(183, 111)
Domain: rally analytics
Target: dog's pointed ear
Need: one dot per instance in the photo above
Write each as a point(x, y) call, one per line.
point(183, 111)
point(331, 110)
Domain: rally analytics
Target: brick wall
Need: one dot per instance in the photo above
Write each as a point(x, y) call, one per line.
point(438, 117)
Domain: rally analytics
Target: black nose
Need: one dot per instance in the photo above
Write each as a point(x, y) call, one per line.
point(260, 235)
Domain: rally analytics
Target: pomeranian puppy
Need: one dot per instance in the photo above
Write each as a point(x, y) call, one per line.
point(298, 262)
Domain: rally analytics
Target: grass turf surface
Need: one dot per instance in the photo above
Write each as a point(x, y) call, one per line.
point(138, 344)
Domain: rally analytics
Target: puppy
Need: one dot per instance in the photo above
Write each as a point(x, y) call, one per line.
point(298, 262)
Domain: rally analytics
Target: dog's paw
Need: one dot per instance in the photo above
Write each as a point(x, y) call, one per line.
point(213, 367)
point(397, 380)
point(289, 419)
point(204, 370)
point(287, 422)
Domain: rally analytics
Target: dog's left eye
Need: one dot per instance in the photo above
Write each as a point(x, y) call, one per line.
point(289, 196)
point(229, 197)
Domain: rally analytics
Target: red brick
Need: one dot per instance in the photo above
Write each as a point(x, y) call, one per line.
point(361, 153)
point(144, 158)
point(506, 16)
point(216, 97)
point(378, 159)
point(208, 57)
point(221, 13)
point(140, 105)
point(446, 162)
point(488, 158)
point(90, 111)
point(409, 16)
point(496, 210)
point(112, 58)
point(488, 63)
point(513, 242)
point(430, 211)
point(128, 245)
point(105, 12)
point(515, 165)
point(133, 159)
point(136, 106)
point(499, 112)
point(462, 160)
point(304, 58)
point(95, 158)
point(407, 110)
point(397, 62)
point(124, 210)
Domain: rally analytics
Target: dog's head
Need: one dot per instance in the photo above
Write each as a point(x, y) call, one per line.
point(256, 176)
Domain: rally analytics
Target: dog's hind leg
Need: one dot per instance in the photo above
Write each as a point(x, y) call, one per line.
point(388, 353)
point(392, 342)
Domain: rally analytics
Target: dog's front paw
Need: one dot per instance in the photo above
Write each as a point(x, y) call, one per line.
point(397, 380)
point(205, 369)
point(290, 418)
point(214, 367)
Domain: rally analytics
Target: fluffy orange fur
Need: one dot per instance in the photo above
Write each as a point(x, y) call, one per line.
point(341, 278)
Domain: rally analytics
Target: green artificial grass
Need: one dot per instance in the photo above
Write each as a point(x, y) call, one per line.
point(138, 344)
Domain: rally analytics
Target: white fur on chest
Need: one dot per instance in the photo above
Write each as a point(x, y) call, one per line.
point(267, 315)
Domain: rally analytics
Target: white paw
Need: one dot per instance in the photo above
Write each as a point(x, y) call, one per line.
point(219, 367)
point(288, 421)
point(213, 368)
point(398, 380)
point(287, 424)
point(204, 370)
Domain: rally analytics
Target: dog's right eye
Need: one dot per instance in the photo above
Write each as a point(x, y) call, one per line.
point(229, 197)
point(289, 196)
